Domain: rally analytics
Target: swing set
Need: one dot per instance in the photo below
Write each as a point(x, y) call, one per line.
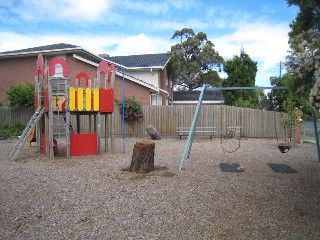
point(233, 131)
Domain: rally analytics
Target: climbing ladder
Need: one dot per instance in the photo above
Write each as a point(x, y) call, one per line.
point(59, 114)
point(26, 132)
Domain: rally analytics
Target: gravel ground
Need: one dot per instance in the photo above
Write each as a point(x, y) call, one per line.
point(92, 198)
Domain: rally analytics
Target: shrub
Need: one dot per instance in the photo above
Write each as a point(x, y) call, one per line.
point(11, 131)
point(19, 95)
point(132, 109)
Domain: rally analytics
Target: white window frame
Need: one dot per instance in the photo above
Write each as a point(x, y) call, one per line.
point(155, 99)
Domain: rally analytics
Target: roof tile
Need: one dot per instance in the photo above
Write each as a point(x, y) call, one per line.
point(43, 48)
point(140, 61)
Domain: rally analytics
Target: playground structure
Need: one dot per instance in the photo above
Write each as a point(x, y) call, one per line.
point(57, 98)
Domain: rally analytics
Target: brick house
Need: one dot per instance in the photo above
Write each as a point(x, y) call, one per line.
point(147, 80)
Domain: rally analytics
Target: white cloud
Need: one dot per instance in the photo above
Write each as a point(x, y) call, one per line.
point(140, 44)
point(97, 44)
point(156, 7)
point(265, 43)
point(62, 10)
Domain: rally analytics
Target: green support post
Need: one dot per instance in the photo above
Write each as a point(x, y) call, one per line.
point(187, 149)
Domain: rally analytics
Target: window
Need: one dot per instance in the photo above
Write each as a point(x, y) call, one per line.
point(156, 99)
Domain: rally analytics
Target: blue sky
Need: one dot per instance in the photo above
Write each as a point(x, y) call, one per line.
point(126, 27)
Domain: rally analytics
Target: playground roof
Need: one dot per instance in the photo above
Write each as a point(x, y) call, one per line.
point(156, 61)
point(193, 96)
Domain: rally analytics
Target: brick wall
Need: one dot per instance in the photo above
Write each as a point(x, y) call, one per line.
point(132, 89)
point(165, 85)
point(21, 70)
point(14, 71)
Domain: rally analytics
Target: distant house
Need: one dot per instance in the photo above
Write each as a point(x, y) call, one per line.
point(192, 97)
point(147, 81)
point(150, 69)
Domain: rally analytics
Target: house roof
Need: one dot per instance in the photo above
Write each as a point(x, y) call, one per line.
point(90, 58)
point(193, 96)
point(51, 47)
point(159, 60)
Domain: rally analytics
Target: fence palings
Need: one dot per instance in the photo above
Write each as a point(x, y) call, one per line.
point(254, 123)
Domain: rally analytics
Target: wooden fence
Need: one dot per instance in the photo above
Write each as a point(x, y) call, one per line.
point(254, 123)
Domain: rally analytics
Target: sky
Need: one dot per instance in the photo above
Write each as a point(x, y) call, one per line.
point(127, 27)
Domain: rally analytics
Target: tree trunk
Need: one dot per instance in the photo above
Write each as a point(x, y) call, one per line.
point(152, 131)
point(143, 157)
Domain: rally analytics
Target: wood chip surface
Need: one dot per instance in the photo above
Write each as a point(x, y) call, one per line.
point(91, 197)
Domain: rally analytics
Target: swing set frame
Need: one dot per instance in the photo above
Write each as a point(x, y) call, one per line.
point(188, 146)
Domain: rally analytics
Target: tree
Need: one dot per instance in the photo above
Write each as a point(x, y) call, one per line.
point(19, 95)
point(193, 59)
point(304, 57)
point(241, 72)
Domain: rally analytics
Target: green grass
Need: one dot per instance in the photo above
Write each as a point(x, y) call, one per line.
point(140, 176)
point(160, 168)
point(168, 174)
point(162, 171)
point(308, 138)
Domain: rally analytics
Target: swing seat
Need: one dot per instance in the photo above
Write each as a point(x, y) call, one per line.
point(284, 147)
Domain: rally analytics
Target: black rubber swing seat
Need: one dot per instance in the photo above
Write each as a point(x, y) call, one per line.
point(284, 147)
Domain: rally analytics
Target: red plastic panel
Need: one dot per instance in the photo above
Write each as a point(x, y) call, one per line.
point(85, 75)
point(36, 104)
point(103, 67)
point(40, 64)
point(45, 99)
point(106, 100)
point(83, 144)
point(63, 63)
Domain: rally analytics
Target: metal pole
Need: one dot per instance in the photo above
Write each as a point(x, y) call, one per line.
point(316, 132)
point(122, 117)
point(187, 149)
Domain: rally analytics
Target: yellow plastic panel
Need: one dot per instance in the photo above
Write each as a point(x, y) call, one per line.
point(88, 99)
point(96, 99)
point(72, 99)
point(57, 102)
point(80, 99)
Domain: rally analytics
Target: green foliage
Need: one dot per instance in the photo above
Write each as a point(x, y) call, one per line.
point(192, 58)
point(303, 60)
point(11, 131)
point(297, 96)
point(241, 72)
point(19, 95)
point(132, 108)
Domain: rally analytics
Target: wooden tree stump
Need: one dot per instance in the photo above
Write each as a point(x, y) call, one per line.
point(142, 157)
point(152, 131)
